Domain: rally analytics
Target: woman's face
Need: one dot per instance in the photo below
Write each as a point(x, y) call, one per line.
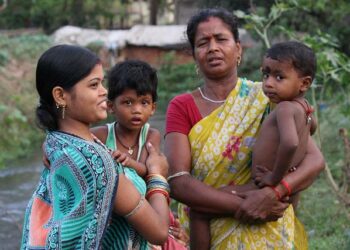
point(87, 100)
point(215, 49)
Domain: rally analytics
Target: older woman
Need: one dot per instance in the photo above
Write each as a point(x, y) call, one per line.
point(209, 137)
point(84, 193)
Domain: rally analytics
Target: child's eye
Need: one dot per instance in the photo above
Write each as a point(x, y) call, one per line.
point(265, 75)
point(279, 78)
point(128, 102)
point(145, 102)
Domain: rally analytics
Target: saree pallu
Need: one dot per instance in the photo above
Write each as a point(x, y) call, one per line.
point(71, 206)
point(221, 150)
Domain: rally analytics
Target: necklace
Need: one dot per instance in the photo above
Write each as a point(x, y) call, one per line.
point(308, 110)
point(129, 148)
point(208, 99)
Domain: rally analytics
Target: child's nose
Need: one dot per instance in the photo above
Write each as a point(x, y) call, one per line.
point(137, 108)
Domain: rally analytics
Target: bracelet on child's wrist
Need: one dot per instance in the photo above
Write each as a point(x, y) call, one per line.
point(277, 193)
point(286, 186)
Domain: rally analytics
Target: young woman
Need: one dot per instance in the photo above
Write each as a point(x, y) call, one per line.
point(73, 203)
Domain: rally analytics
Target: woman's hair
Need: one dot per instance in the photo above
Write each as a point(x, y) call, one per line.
point(301, 56)
point(133, 74)
point(63, 66)
point(204, 15)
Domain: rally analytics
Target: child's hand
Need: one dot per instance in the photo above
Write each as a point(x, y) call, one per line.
point(121, 157)
point(179, 233)
point(266, 180)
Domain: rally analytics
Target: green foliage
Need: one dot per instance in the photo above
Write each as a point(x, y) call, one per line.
point(51, 14)
point(18, 132)
point(175, 79)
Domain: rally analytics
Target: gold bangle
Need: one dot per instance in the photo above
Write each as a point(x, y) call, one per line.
point(178, 174)
point(132, 212)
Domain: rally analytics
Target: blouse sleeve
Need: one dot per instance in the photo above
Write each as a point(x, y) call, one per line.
point(182, 114)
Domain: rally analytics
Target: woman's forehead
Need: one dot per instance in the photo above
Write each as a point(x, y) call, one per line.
point(212, 26)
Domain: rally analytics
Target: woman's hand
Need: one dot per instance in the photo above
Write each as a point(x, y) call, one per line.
point(156, 162)
point(260, 206)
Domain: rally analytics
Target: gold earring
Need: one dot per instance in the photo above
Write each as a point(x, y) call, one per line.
point(63, 111)
point(238, 60)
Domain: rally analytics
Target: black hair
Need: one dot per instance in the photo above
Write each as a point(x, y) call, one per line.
point(63, 66)
point(132, 74)
point(204, 15)
point(301, 56)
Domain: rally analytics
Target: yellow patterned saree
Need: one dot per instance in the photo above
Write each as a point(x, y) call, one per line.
point(221, 148)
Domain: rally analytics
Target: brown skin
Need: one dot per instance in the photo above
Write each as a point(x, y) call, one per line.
point(123, 156)
point(217, 60)
point(131, 111)
point(86, 103)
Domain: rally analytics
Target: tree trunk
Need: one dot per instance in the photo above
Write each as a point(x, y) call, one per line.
point(153, 6)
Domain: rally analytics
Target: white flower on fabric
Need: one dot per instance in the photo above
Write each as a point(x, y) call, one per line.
point(256, 103)
point(231, 120)
point(214, 135)
point(225, 137)
point(198, 129)
point(217, 125)
point(241, 156)
point(216, 150)
point(205, 149)
point(216, 174)
point(211, 164)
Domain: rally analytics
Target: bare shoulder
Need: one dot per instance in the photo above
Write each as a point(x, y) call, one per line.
point(286, 108)
point(154, 137)
point(100, 132)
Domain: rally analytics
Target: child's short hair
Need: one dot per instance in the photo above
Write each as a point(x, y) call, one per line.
point(301, 56)
point(132, 74)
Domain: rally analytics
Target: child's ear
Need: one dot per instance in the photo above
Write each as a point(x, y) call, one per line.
point(154, 105)
point(110, 107)
point(305, 84)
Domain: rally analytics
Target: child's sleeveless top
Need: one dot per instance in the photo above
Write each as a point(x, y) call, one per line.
point(130, 173)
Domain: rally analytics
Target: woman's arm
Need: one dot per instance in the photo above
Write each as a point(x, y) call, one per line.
point(256, 204)
point(149, 218)
point(188, 190)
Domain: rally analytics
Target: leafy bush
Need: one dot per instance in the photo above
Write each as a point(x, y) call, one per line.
point(18, 132)
point(175, 79)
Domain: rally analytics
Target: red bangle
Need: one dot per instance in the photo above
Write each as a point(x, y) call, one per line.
point(161, 191)
point(286, 185)
point(277, 193)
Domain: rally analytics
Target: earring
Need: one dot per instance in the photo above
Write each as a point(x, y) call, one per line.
point(63, 111)
point(238, 60)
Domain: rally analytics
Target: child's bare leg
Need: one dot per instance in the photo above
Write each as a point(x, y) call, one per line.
point(199, 231)
point(295, 200)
